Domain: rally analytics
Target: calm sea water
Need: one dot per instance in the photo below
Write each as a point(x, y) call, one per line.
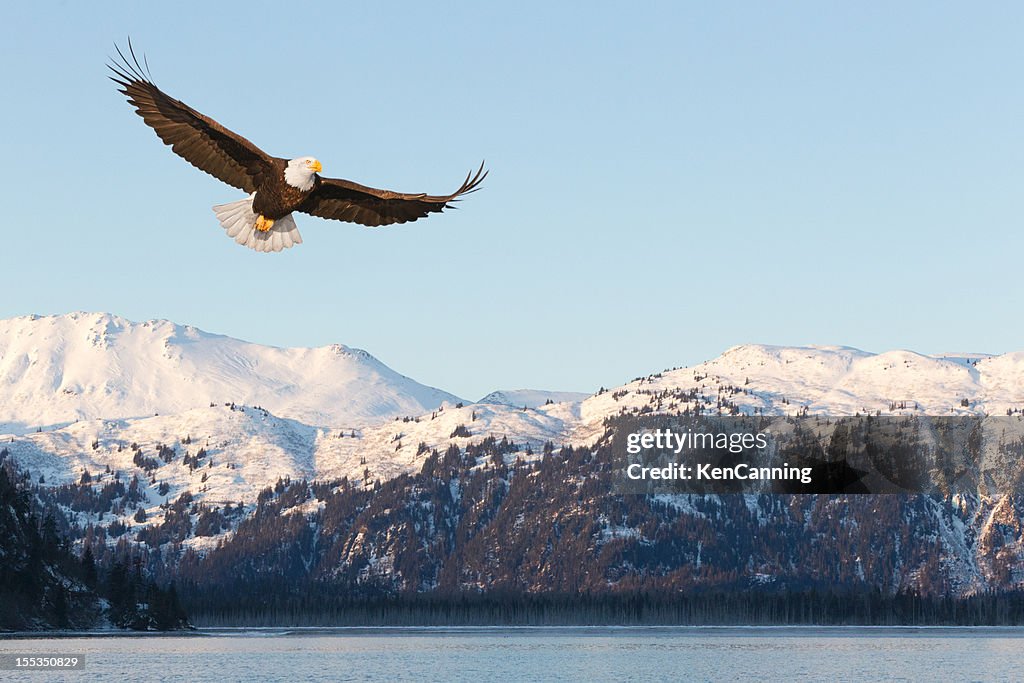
point(540, 654)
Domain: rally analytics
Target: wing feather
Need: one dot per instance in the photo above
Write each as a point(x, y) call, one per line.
point(198, 139)
point(344, 200)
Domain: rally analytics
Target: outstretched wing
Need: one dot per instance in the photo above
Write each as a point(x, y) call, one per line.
point(198, 139)
point(344, 200)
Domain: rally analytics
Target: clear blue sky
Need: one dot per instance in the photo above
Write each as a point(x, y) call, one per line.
point(668, 179)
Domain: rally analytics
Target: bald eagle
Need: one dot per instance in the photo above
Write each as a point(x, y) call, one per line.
point(276, 187)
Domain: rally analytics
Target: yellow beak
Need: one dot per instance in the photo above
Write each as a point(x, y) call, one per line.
point(316, 166)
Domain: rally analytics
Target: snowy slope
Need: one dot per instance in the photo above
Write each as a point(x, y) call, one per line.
point(531, 398)
point(251, 448)
point(775, 380)
point(830, 380)
point(58, 369)
point(336, 412)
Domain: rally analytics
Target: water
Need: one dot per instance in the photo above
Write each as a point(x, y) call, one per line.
point(540, 654)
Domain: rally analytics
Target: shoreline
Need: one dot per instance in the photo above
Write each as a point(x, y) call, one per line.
point(806, 631)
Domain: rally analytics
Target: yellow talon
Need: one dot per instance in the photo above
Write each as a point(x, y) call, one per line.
point(263, 224)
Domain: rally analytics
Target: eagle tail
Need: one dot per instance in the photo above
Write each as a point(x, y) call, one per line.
point(239, 222)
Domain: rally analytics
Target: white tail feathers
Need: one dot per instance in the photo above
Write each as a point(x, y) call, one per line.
point(239, 222)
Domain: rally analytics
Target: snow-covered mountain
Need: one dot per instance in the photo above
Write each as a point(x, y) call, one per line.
point(834, 380)
point(97, 383)
point(55, 370)
point(531, 398)
point(236, 418)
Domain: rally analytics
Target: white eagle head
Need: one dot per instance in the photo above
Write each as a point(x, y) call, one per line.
point(299, 172)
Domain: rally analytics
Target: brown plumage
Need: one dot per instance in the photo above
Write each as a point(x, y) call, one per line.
point(231, 158)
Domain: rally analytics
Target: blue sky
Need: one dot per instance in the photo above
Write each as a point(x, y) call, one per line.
point(668, 179)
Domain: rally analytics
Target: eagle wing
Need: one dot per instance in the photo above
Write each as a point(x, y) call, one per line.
point(198, 139)
point(344, 200)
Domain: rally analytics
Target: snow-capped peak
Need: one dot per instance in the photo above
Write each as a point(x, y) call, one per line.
point(63, 368)
point(531, 398)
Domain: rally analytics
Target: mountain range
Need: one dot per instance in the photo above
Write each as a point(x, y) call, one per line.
point(78, 388)
point(210, 430)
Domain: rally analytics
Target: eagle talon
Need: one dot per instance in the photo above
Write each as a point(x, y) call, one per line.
point(264, 224)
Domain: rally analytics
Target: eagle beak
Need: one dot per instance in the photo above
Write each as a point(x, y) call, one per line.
point(316, 166)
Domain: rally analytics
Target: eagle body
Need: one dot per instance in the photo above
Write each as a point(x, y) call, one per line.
point(263, 221)
point(276, 197)
point(276, 187)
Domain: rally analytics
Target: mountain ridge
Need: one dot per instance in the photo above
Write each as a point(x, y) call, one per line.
point(59, 369)
point(386, 432)
point(189, 480)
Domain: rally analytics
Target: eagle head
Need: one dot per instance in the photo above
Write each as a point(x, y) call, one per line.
point(299, 172)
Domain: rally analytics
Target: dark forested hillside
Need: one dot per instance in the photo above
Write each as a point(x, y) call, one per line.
point(494, 532)
point(42, 585)
point(45, 585)
point(475, 537)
